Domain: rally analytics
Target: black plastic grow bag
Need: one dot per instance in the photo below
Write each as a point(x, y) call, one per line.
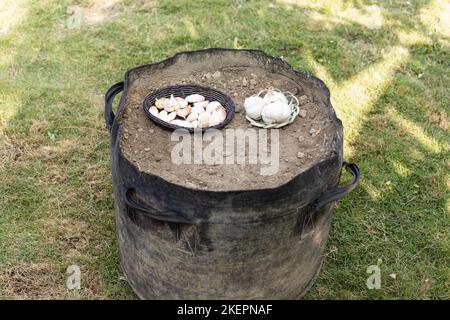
point(182, 243)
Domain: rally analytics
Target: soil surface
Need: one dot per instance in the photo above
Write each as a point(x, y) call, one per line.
point(302, 144)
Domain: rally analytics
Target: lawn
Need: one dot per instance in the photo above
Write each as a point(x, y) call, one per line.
point(386, 64)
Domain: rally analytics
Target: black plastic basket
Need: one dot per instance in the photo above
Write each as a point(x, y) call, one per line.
point(183, 91)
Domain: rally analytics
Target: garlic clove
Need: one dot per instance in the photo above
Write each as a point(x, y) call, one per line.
point(198, 109)
point(171, 116)
point(163, 115)
point(162, 103)
point(203, 120)
point(253, 107)
point(183, 113)
point(154, 111)
point(215, 119)
point(192, 116)
point(181, 123)
point(201, 103)
point(182, 103)
point(221, 113)
point(194, 124)
point(194, 98)
point(213, 106)
point(185, 124)
point(173, 105)
point(176, 122)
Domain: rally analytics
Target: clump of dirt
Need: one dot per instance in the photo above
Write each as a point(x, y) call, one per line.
point(308, 140)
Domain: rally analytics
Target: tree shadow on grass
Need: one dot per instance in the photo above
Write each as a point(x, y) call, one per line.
point(398, 213)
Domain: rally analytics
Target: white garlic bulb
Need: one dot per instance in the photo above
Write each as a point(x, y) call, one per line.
point(274, 96)
point(253, 107)
point(276, 112)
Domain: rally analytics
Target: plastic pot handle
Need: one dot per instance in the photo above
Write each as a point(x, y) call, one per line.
point(165, 216)
point(338, 192)
point(109, 98)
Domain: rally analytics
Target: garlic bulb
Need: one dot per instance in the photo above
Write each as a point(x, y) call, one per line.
point(253, 107)
point(274, 96)
point(276, 112)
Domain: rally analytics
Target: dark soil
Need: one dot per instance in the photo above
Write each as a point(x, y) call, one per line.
point(302, 143)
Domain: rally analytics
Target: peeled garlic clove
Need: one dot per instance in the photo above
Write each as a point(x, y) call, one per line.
point(275, 96)
point(154, 111)
point(192, 116)
point(184, 112)
point(163, 115)
point(213, 106)
point(203, 120)
point(171, 116)
point(198, 109)
point(194, 124)
point(253, 107)
point(194, 98)
point(202, 104)
point(276, 112)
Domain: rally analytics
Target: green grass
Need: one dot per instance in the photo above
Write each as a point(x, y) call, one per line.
point(387, 66)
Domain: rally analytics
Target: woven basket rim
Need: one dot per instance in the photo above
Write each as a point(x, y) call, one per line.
point(166, 91)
